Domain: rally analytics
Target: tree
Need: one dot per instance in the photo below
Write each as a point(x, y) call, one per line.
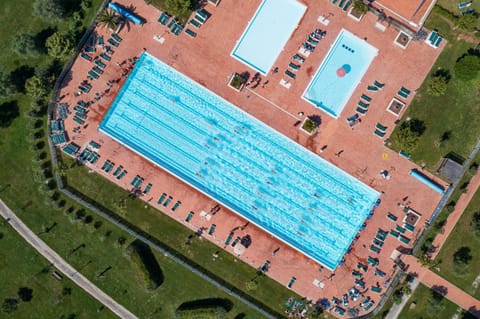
point(467, 22)
point(461, 258)
point(35, 87)
point(467, 68)
point(360, 6)
point(178, 7)
point(108, 19)
point(49, 9)
point(9, 305)
point(475, 223)
point(406, 138)
point(25, 294)
point(437, 86)
point(59, 45)
point(7, 86)
point(24, 45)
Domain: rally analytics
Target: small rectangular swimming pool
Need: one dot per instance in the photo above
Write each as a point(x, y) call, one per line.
point(235, 159)
point(340, 72)
point(267, 33)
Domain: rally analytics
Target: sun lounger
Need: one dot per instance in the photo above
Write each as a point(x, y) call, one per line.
point(409, 227)
point(93, 75)
point(294, 66)
point(172, 23)
point(362, 266)
point(100, 40)
point(380, 127)
point(118, 170)
point(201, 16)
point(290, 74)
point(376, 289)
point(379, 133)
point(86, 56)
point(112, 42)
point(402, 94)
point(169, 199)
point(229, 239)
point(105, 57)
point(394, 233)
point(298, 58)
point(164, 17)
point(405, 90)
point(353, 118)
point(357, 274)
point(363, 105)
point(377, 242)
point(100, 64)
point(400, 229)
point(347, 5)
point(176, 205)
point(110, 167)
point(78, 109)
point(379, 273)
point(437, 43)
point(190, 33)
point(194, 23)
point(89, 49)
point(375, 249)
point(312, 42)
point(116, 37)
point(81, 115)
point(372, 88)
point(78, 121)
point(334, 1)
point(97, 70)
point(372, 261)
point(147, 188)
point(236, 241)
point(189, 217)
point(370, 305)
point(291, 282)
point(392, 217)
point(404, 240)
point(176, 29)
point(162, 197)
point(433, 36)
point(463, 5)
point(342, 2)
point(366, 98)
point(122, 175)
point(361, 111)
point(378, 84)
point(212, 229)
point(82, 104)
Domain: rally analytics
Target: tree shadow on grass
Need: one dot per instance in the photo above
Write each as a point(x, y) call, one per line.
point(8, 112)
point(20, 75)
point(41, 37)
point(207, 303)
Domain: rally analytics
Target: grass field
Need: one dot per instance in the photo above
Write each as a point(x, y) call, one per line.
point(462, 236)
point(170, 232)
point(426, 306)
point(22, 266)
point(92, 251)
point(456, 115)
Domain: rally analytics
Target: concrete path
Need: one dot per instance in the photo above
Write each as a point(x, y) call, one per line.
point(396, 309)
point(453, 218)
point(448, 290)
point(57, 261)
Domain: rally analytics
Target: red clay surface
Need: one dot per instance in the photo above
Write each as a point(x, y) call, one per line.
point(207, 60)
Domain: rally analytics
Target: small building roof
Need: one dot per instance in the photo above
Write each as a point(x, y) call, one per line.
point(410, 12)
point(450, 169)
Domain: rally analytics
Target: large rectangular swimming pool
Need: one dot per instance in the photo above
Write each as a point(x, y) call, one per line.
point(340, 72)
point(267, 33)
point(238, 161)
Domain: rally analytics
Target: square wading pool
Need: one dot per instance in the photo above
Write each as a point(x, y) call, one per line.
point(238, 161)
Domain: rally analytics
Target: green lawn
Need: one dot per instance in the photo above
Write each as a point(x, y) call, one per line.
point(456, 115)
point(172, 233)
point(462, 236)
point(426, 306)
point(21, 266)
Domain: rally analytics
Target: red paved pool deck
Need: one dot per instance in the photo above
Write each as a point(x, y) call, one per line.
point(207, 60)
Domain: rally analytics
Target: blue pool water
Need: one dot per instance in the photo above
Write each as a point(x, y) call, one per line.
point(267, 33)
point(238, 161)
point(340, 72)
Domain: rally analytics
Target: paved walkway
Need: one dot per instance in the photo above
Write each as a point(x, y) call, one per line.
point(62, 265)
point(434, 281)
point(453, 218)
point(396, 309)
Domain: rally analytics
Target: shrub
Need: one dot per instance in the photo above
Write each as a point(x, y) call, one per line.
point(48, 9)
point(35, 87)
point(467, 22)
point(360, 6)
point(461, 258)
point(9, 305)
point(178, 7)
point(467, 67)
point(25, 294)
point(437, 86)
point(406, 137)
point(24, 45)
point(475, 223)
point(7, 86)
point(309, 125)
point(59, 45)
point(215, 308)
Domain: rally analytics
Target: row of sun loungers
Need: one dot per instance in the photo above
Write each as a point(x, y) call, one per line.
point(59, 138)
point(343, 4)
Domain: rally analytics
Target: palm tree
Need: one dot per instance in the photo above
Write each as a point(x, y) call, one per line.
point(108, 19)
